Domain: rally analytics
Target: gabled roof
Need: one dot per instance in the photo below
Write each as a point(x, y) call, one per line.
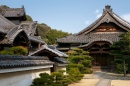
point(86, 35)
point(54, 51)
point(107, 16)
point(5, 22)
point(14, 12)
point(30, 28)
point(54, 48)
point(8, 28)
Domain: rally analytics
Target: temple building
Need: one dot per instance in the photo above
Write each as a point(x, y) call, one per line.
point(97, 37)
point(16, 31)
point(41, 58)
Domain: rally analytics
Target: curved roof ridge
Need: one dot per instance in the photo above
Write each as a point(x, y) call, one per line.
point(115, 15)
point(12, 36)
point(85, 45)
point(87, 28)
point(107, 12)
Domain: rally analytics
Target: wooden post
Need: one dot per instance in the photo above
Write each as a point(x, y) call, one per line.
point(39, 45)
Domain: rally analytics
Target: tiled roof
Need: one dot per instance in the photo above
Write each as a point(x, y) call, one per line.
point(122, 21)
point(29, 27)
point(90, 37)
point(11, 35)
point(13, 12)
point(8, 61)
point(85, 45)
point(7, 28)
point(54, 51)
point(5, 22)
point(10, 30)
point(36, 39)
point(107, 16)
point(60, 60)
point(54, 48)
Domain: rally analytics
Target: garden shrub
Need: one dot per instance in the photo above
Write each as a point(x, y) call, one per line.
point(87, 63)
point(55, 79)
point(86, 71)
point(44, 80)
point(80, 59)
point(75, 75)
point(17, 50)
point(120, 69)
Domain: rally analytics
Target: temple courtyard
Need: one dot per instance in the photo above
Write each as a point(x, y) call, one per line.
point(103, 79)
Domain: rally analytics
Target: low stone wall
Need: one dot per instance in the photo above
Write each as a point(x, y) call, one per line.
point(21, 78)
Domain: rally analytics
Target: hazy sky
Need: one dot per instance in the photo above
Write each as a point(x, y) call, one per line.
point(69, 15)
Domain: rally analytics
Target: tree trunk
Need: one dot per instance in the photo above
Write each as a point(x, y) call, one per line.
point(124, 68)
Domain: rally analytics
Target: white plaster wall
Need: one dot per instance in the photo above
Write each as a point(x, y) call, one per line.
point(22, 78)
point(57, 68)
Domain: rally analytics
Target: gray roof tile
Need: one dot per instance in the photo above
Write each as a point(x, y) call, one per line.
point(90, 37)
point(55, 51)
point(107, 16)
point(13, 12)
point(9, 61)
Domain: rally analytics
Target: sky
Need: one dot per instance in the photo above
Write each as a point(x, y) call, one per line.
point(69, 15)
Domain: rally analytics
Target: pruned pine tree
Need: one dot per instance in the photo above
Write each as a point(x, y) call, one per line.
point(121, 51)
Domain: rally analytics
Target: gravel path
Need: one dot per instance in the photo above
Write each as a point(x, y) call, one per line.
point(104, 82)
point(103, 79)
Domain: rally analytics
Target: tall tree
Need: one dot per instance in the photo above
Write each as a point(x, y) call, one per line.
point(53, 34)
point(121, 50)
point(43, 29)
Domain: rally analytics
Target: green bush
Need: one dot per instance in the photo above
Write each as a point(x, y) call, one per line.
point(69, 66)
point(79, 66)
point(55, 79)
point(120, 69)
point(87, 63)
point(18, 50)
point(61, 79)
point(79, 59)
point(76, 59)
point(86, 71)
point(75, 75)
point(44, 80)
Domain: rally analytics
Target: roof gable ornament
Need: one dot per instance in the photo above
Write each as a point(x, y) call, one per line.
point(107, 9)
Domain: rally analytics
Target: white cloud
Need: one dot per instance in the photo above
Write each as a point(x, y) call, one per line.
point(126, 17)
point(87, 22)
point(98, 15)
point(97, 11)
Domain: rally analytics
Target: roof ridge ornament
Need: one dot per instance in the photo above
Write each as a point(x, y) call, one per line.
point(107, 9)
